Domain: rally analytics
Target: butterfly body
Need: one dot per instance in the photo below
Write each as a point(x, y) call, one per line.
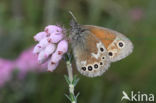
point(94, 48)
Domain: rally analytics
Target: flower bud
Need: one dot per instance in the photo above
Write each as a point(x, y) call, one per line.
point(39, 36)
point(52, 66)
point(56, 57)
point(37, 49)
point(44, 42)
point(50, 49)
point(42, 57)
point(52, 28)
point(55, 37)
point(62, 47)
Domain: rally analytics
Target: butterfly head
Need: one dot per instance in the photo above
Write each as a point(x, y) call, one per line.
point(77, 31)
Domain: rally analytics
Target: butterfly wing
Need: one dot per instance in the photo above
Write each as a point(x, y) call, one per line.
point(117, 45)
point(90, 54)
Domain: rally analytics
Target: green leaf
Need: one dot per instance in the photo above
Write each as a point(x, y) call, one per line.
point(75, 80)
point(67, 79)
point(77, 95)
point(71, 56)
point(72, 97)
point(66, 57)
point(68, 97)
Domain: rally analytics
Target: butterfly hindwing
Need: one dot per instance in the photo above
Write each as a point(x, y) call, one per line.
point(90, 54)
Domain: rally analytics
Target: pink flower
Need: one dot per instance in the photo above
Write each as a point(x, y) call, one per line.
point(49, 49)
point(52, 47)
point(52, 66)
point(44, 42)
point(6, 68)
point(136, 14)
point(39, 36)
point(27, 62)
point(52, 29)
point(55, 58)
point(62, 46)
point(55, 37)
point(37, 49)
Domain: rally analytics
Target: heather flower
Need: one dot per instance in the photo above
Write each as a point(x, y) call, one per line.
point(37, 49)
point(44, 42)
point(62, 46)
point(55, 37)
point(39, 36)
point(51, 47)
point(52, 67)
point(55, 58)
point(27, 62)
point(42, 57)
point(6, 68)
point(50, 29)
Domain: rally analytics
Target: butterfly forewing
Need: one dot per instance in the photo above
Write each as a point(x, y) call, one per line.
point(117, 45)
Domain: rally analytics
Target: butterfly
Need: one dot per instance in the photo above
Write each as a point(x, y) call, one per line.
point(95, 47)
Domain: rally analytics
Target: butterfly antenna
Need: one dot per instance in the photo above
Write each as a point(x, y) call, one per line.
point(73, 23)
point(74, 18)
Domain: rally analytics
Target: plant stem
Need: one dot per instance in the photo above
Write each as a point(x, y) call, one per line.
point(70, 76)
point(70, 70)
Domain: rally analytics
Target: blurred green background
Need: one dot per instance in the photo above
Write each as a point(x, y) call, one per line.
point(20, 20)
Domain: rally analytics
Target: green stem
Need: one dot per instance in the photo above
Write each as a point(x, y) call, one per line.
point(70, 76)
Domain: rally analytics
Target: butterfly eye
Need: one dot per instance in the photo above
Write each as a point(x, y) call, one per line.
point(82, 30)
point(121, 44)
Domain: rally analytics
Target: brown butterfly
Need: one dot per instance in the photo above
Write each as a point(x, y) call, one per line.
point(94, 47)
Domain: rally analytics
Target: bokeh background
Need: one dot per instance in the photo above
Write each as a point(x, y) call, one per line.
point(20, 20)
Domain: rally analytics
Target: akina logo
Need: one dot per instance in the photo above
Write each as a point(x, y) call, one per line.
point(138, 97)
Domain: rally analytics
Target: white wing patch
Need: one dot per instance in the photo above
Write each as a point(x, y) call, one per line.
point(96, 56)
